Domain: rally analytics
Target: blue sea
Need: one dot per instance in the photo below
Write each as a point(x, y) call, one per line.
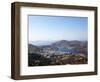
point(71, 50)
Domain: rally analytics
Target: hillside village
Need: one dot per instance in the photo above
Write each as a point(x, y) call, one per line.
point(59, 53)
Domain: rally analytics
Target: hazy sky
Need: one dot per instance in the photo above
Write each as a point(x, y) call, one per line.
point(57, 28)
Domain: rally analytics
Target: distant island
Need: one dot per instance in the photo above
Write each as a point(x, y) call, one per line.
point(61, 52)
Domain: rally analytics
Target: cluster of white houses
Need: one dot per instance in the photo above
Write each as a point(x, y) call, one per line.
point(50, 51)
